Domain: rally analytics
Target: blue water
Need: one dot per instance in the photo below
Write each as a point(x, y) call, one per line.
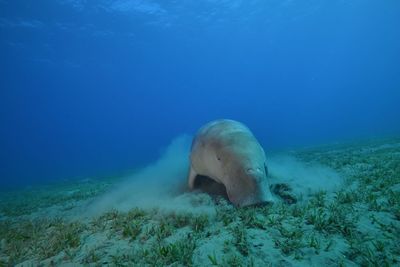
point(92, 88)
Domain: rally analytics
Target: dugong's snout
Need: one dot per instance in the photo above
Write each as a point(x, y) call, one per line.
point(260, 197)
point(257, 202)
point(256, 199)
point(254, 191)
point(264, 196)
point(261, 191)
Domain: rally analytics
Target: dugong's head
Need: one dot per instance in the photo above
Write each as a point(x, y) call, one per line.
point(248, 186)
point(246, 176)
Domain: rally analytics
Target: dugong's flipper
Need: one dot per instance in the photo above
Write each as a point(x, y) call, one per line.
point(192, 177)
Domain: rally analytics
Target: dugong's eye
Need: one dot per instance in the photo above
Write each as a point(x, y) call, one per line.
point(218, 158)
point(256, 170)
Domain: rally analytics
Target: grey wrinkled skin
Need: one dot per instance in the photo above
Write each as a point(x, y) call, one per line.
point(227, 152)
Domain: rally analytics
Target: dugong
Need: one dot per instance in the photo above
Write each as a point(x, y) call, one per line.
point(227, 152)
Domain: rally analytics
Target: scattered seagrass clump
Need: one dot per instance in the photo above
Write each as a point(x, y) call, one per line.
point(38, 239)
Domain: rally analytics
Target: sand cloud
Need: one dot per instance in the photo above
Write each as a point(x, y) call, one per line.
point(159, 185)
point(162, 184)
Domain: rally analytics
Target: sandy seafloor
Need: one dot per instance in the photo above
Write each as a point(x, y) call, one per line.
point(355, 224)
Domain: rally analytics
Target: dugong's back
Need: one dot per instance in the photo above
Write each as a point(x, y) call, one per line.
point(224, 133)
point(222, 128)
